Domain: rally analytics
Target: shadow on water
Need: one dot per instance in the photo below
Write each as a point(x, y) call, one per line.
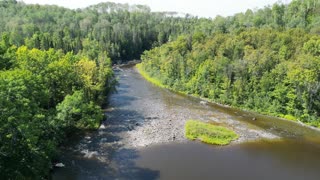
point(124, 158)
point(101, 154)
point(122, 120)
point(122, 166)
point(123, 100)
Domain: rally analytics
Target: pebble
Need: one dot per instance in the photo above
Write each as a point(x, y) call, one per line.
point(59, 165)
point(102, 126)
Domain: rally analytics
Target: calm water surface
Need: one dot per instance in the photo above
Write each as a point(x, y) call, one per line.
point(287, 159)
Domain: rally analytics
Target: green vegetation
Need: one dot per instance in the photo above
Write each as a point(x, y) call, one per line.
point(55, 67)
point(44, 96)
point(149, 78)
point(55, 72)
point(122, 31)
point(209, 133)
point(268, 71)
point(272, 68)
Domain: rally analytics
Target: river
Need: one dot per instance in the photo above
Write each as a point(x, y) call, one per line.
point(142, 138)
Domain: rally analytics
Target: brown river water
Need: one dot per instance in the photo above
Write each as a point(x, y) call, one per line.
point(136, 143)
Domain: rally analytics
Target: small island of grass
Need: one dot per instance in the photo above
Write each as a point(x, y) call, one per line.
point(209, 133)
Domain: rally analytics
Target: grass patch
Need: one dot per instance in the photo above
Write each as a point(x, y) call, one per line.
point(290, 117)
point(149, 78)
point(158, 83)
point(209, 133)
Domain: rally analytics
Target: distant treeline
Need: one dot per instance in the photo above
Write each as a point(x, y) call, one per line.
point(123, 31)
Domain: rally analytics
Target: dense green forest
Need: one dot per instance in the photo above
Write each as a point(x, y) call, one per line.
point(44, 95)
point(55, 72)
point(55, 67)
point(272, 66)
point(123, 31)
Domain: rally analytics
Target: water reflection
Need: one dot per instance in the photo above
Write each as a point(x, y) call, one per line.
point(286, 159)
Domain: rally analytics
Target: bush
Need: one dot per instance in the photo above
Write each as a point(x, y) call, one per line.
point(75, 112)
point(209, 133)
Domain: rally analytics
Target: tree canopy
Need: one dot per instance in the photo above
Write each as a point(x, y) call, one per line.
point(265, 60)
point(55, 67)
point(45, 94)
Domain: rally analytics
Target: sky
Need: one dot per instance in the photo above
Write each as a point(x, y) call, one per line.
point(200, 8)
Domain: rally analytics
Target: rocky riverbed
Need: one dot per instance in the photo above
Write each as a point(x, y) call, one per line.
point(147, 115)
point(141, 116)
point(165, 125)
point(160, 117)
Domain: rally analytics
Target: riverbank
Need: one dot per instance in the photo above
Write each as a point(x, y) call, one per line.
point(142, 117)
point(205, 100)
point(165, 124)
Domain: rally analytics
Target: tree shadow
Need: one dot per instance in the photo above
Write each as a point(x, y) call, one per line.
point(121, 100)
point(102, 155)
point(121, 166)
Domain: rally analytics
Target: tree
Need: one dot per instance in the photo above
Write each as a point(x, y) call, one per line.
point(76, 111)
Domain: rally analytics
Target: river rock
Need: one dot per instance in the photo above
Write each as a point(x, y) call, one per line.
point(59, 165)
point(130, 127)
point(89, 154)
point(203, 102)
point(102, 126)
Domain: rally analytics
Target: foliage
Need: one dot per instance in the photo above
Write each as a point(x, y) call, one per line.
point(55, 68)
point(122, 31)
point(274, 72)
point(25, 130)
point(74, 111)
point(209, 133)
point(43, 95)
point(148, 78)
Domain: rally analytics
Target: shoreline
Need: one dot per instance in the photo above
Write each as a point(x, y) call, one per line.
point(167, 127)
point(158, 83)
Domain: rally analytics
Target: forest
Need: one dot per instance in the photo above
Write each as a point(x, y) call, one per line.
point(122, 31)
point(55, 72)
point(44, 96)
point(272, 67)
point(56, 67)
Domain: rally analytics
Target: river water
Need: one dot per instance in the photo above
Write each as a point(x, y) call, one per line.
point(127, 148)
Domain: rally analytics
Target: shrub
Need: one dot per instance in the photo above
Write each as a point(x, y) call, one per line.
point(209, 133)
